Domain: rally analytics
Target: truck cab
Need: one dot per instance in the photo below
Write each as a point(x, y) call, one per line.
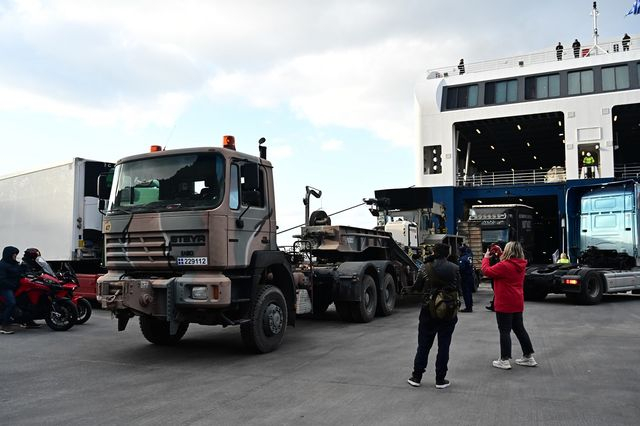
point(501, 223)
point(190, 238)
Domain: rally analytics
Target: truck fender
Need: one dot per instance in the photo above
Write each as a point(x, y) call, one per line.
point(277, 264)
point(349, 279)
point(598, 271)
point(384, 267)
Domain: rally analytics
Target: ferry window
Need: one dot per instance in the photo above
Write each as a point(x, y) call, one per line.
point(546, 86)
point(462, 96)
point(501, 92)
point(432, 160)
point(580, 82)
point(615, 78)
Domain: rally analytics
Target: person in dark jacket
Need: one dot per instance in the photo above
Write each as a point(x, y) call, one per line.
point(508, 279)
point(559, 49)
point(432, 276)
point(30, 266)
point(576, 48)
point(466, 274)
point(9, 280)
point(625, 42)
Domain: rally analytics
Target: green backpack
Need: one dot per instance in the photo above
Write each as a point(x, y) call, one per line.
point(444, 301)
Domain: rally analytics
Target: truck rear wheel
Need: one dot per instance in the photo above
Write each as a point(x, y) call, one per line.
point(365, 309)
point(156, 331)
point(387, 296)
point(592, 289)
point(268, 321)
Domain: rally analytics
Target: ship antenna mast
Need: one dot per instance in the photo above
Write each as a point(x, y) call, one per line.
point(595, 48)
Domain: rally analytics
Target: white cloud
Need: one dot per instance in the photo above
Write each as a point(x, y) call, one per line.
point(334, 63)
point(279, 152)
point(332, 145)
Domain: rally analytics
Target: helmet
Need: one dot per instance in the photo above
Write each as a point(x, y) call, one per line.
point(31, 254)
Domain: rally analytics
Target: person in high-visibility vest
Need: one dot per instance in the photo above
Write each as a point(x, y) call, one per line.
point(589, 169)
point(563, 258)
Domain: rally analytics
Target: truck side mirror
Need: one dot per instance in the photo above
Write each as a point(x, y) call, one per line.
point(105, 180)
point(250, 176)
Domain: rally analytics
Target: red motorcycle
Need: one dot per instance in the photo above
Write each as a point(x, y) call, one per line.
point(39, 297)
point(69, 282)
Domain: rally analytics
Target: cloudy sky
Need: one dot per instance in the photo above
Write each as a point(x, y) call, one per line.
point(328, 83)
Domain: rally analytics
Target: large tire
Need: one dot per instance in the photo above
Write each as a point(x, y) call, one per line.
point(365, 309)
point(387, 296)
point(62, 316)
point(344, 311)
point(84, 310)
point(592, 289)
point(268, 321)
point(156, 331)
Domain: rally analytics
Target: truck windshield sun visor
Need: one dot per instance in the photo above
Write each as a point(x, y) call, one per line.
point(190, 181)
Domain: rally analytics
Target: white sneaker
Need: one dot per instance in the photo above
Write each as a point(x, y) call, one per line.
point(527, 362)
point(502, 363)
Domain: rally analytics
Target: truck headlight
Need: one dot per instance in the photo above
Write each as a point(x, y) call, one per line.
point(199, 293)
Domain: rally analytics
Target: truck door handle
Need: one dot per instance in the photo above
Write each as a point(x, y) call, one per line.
point(265, 240)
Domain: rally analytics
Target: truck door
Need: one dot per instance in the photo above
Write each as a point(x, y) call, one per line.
point(249, 224)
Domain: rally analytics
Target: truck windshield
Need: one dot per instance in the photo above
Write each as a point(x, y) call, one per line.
point(190, 181)
point(495, 235)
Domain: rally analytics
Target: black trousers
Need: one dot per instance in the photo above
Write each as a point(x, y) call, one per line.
point(506, 323)
point(467, 291)
point(428, 329)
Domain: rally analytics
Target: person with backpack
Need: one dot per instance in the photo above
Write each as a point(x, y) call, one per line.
point(508, 280)
point(439, 280)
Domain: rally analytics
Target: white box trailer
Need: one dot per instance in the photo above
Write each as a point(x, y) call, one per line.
point(55, 209)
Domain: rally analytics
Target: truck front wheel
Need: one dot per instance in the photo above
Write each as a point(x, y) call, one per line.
point(365, 309)
point(268, 321)
point(156, 331)
point(592, 290)
point(387, 296)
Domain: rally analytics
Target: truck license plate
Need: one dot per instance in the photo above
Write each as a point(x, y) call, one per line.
point(192, 261)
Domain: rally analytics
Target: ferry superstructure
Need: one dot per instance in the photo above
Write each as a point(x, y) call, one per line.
point(527, 129)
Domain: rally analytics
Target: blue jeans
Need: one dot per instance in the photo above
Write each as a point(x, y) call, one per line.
point(506, 323)
point(428, 328)
point(9, 304)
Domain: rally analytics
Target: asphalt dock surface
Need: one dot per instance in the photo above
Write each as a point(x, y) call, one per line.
point(331, 373)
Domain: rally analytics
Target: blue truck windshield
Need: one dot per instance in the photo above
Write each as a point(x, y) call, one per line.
point(188, 181)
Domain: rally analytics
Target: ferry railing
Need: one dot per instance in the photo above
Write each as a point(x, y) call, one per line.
point(516, 177)
point(535, 58)
point(631, 170)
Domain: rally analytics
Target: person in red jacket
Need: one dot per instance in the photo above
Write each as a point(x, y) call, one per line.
point(508, 280)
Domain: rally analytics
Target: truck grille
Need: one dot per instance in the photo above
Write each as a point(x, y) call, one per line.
point(143, 248)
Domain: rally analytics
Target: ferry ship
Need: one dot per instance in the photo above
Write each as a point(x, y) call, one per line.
point(527, 129)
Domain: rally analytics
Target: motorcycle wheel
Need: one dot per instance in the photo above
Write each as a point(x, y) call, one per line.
point(62, 316)
point(84, 311)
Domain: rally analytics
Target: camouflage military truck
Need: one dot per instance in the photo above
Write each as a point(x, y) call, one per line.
point(190, 237)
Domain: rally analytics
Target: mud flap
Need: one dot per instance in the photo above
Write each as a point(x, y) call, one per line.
point(171, 308)
point(123, 320)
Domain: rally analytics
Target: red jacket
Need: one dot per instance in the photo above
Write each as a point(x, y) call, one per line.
point(508, 279)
